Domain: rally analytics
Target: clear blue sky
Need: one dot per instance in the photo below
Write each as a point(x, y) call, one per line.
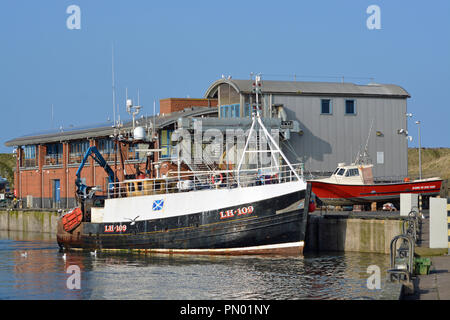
point(178, 48)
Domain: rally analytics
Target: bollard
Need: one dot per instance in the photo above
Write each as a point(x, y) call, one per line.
point(401, 265)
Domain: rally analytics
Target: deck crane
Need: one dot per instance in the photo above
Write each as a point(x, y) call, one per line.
point(83, 191)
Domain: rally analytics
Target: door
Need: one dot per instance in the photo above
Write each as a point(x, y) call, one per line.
point(56, 193)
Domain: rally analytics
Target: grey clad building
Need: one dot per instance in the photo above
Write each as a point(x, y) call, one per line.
point(335, 120)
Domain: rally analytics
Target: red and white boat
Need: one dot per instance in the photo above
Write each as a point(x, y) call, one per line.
point(354, 184)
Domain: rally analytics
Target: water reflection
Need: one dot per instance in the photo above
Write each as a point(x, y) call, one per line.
point(42, 274)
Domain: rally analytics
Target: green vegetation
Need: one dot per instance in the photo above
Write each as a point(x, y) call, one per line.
point(7, 165)
point(435, 162)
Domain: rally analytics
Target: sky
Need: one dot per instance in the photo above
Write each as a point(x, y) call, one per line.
point(49, 56)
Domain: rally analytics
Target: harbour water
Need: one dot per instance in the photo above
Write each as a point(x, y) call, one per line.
point(31, 267)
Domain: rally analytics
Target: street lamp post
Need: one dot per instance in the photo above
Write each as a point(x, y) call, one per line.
point(420, 157)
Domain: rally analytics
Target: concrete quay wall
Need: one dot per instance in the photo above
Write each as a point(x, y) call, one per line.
point(28, 220)
point(351, 234)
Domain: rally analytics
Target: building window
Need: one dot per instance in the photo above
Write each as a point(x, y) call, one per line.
point(247, 110)
point(350, 107)
point(230, 111)
point(165, 143)
point(77, 149)
point(106, 149)
point(326, 107)
point(54, 154)
point(29, 156)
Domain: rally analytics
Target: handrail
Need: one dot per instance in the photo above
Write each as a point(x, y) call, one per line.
point(182, 181)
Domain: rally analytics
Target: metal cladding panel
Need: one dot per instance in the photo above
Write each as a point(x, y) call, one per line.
point(330, 139)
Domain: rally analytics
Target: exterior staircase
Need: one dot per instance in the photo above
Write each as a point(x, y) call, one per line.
point(207, 165)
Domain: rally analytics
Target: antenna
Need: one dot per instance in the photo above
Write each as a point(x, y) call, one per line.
point(363, 155)
point(154, 115)
point(132, 109)
point(52, 115)
point(113, 86)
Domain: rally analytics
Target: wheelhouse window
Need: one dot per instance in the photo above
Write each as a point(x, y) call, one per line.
point(340, 172)
point(325, 106)
point(352, 173)
point(29, 156)
point(54, 154)
point(350, 107)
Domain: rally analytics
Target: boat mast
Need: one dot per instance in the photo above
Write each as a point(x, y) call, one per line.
point(363, 155)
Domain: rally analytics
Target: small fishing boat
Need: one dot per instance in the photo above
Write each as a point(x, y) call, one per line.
point(354, 184)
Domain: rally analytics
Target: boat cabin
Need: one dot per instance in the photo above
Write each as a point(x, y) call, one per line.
point(352, 174)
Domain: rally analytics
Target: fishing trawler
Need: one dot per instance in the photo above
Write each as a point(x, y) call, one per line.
point(234, 211)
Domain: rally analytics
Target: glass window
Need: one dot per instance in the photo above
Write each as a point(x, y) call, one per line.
point(106, 146)
point(236, 111)
point(106, 149)
point(247, 110)
point(77, 149)
point(341, 172)
point(230, 111)
point(326, 106)
point(165, 143)
point(30, 152)
point(29, 156)
point(350, 107)
point(54, 153)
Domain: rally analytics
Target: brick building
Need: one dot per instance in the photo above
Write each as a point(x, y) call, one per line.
point(46, 164)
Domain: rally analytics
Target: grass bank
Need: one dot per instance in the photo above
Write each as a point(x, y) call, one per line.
point(435, 162)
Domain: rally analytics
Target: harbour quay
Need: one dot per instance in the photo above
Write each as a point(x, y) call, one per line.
point(171, 183)
point(348, 231)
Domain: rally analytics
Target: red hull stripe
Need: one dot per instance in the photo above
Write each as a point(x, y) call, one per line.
point(341, 191)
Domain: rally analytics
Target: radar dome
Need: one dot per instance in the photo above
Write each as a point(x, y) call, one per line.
point(139, 133)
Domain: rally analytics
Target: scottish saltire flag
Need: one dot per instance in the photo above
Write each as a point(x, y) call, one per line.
point(158, 205)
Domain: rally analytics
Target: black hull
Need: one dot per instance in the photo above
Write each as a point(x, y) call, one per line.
point(274, 225)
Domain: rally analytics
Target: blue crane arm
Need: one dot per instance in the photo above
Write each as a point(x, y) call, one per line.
point(93, 151)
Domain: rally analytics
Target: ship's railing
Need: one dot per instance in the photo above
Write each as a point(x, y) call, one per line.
point(185, 181)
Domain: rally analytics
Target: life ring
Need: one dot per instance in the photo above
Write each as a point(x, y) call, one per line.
point(216, 181)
